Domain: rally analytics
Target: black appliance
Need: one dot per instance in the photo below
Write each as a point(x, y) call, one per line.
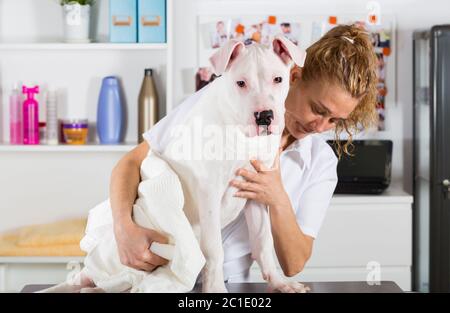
point(367, 170)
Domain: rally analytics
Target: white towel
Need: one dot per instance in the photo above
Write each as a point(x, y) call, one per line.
point(159, 207)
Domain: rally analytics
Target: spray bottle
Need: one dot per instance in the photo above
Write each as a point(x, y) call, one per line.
point(30, 116)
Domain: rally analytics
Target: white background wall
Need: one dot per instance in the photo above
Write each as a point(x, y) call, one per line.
point(410, 15)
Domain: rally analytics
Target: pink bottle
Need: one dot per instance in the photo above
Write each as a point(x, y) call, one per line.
point(30, 116)
point(15, 116)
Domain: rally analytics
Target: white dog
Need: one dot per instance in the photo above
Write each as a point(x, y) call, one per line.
point(241, 114)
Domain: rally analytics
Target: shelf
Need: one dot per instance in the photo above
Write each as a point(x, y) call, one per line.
point(40, 259)
point(81, 46)
point(68, 148)
point(394, 194)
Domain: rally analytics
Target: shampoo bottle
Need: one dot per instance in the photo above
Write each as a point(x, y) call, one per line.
point(30, 116)
point(52, 118)
point(15, 116)
point(110, 112)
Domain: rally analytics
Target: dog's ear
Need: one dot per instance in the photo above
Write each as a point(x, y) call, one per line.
point(222, 59)
point(288, 51)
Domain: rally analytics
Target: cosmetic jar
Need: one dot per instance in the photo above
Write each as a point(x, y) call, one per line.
point(75, 131)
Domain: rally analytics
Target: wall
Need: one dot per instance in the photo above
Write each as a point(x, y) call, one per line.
point(410, 15)
point(41, 187)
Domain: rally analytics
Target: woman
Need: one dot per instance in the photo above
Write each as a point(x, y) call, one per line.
point(336, 89)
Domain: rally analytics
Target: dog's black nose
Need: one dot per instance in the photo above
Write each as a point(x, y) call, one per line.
point(264, 117)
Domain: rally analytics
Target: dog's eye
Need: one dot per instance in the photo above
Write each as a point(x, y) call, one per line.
point(278, 80)
point(241, 83)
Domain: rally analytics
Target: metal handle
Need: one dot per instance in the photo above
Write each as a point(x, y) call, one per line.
point(446, 184)
point(151, 20)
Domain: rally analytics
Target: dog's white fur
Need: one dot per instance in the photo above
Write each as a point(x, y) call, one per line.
point(257, 66)
point(209, 204)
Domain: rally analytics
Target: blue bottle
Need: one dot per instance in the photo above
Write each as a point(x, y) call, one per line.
point(110, 112)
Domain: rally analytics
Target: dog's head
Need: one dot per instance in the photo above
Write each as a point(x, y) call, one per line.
point(257, 82)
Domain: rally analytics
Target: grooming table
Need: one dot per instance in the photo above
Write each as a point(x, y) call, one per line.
point(316, 287)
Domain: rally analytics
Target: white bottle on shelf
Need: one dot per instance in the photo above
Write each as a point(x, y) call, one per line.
point(52, 117)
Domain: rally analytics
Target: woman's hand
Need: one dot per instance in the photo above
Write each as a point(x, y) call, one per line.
point(264, 186)
point(133, 243)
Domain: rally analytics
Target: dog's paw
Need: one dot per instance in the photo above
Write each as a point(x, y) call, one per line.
point(62, 288)
point(213, 286)
point(212, 280)
point(286, 286)
point(216, 288)
point(92, 290)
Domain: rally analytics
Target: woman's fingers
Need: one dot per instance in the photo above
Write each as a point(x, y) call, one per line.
point(250, 176)
point(258, 166)
point(154, 259)
point(144, 266)
point(246, 194)
point(245, 185)
point(156, 236)
point(148, 262)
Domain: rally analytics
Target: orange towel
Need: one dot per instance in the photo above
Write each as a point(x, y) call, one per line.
point(54, 239)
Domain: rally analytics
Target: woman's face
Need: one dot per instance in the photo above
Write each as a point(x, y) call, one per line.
point(315, 107)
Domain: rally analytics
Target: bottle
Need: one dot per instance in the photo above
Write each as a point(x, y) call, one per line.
point(110, 112)
point(30, 116)
point(43, 132)
point(15, 116)
point(148, 104)
point(52, 118)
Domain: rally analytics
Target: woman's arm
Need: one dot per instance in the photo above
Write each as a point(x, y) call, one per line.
point(292, 246)
point(133, 241)
point(125, 179)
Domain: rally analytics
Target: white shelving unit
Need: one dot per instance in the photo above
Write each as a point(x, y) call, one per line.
point(84, 46)
point(68, 148)
point(16, 272)
point(41, 259)
point(32, 53)
point(76, 177)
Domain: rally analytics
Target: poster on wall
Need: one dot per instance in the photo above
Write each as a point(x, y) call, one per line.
point(214, 32)
point(380, 35)
point(302, 30)
point(382, 43)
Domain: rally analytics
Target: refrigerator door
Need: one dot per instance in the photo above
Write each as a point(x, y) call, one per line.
point(440, 159)
point(421, 130)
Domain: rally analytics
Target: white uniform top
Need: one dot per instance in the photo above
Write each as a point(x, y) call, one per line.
point(308, 171)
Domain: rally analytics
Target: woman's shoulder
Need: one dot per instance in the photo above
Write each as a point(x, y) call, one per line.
point(321, 149)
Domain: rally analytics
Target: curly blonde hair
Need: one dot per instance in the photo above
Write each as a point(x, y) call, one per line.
point(344, 56)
